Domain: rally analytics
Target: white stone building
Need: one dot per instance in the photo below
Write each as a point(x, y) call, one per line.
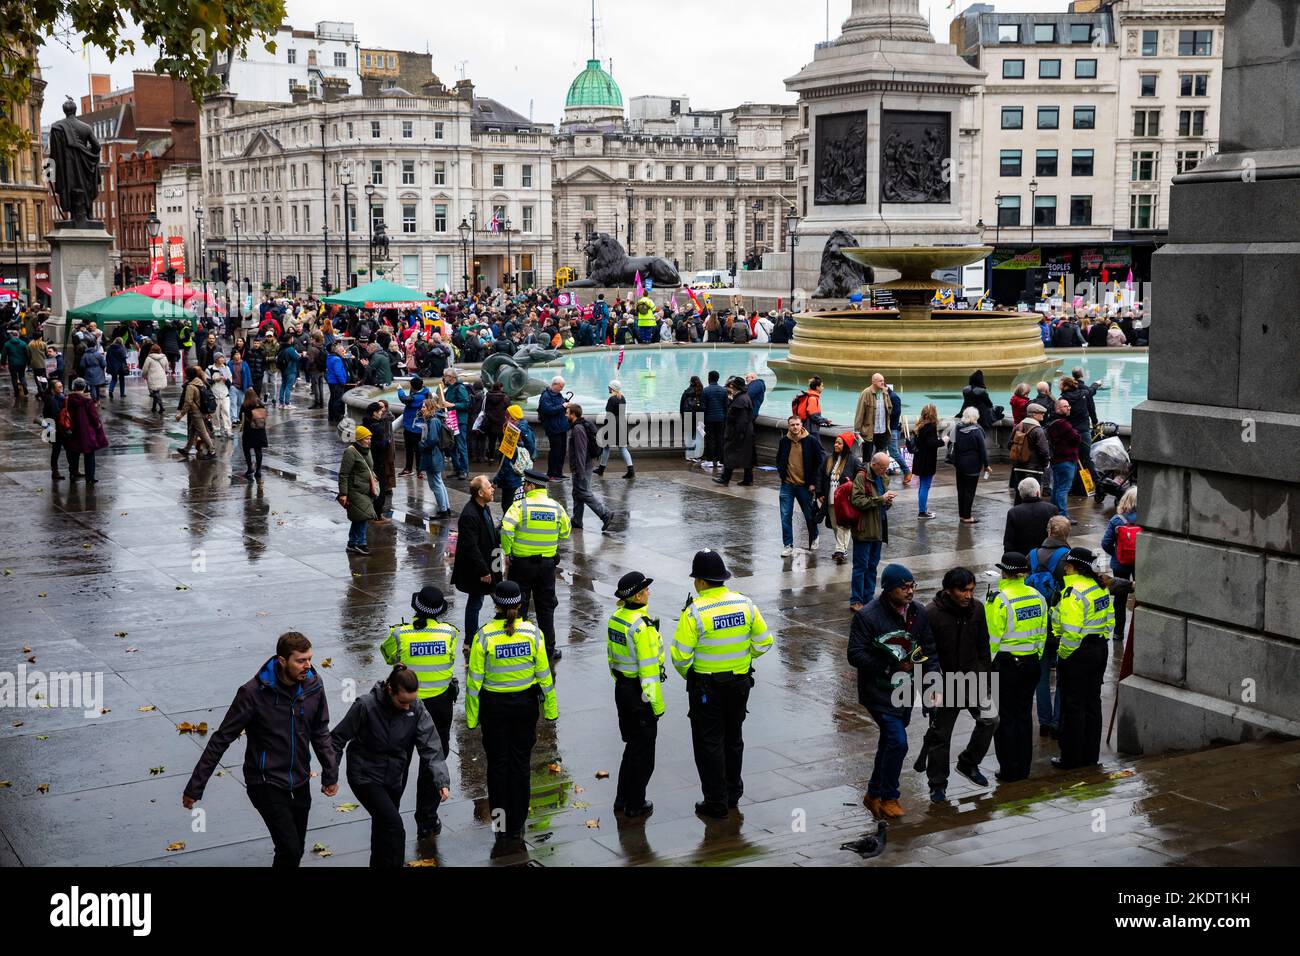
point(302, 58)
point(179, 194)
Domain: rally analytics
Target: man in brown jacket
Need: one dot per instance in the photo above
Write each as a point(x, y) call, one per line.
point(872, 418)
point(196, 427)
point(872, 497)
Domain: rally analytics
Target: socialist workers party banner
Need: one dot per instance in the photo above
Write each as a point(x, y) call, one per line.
point(157, 263)
point(176, 256)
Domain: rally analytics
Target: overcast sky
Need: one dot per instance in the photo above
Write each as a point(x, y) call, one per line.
point(524, 53)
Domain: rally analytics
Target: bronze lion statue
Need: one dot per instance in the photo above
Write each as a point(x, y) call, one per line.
point(841, 276)
point(611, 266)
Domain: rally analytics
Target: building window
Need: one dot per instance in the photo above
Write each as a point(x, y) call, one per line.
point(1193, 84)
point(1144, 166)
point(349, 129)
point(1191, 122)
point(527, 212)
point(668, 231)
point(760, 173)
point(710, 172)
point(1049, 69)
point(526, 180)
point(649, 231)
point(1081, 210)
point(440, 217)
point(352, 218)
point(1009, 211)
point(1081, 161)
point(1195, 42)
point(668, 204)
point(408, 172)
point(731, 204)
point(731, 232)
point(1010, 162)
point(690, 174)
point(731, 174)
point(1013, 69)
point(1044, 32)
point(437, 130)
point(588, 203)
point(498, 175)
point(374, 129)
point(1080, 32)
point(340, 59)
point(710, 261)
point(688, 230)
point(293, 178)
point(1013, 117)
point(1146, 123)
point(1188, 159)
point(311, 57)
point(709, 232)
point(306, 218)
point(293, 213)
point(668, 173)
point(1008, 33)
point(408, 219)
point(439, 173)
point(789, 174)
point(1044, 210)
point(1141, 212)
point(408, 129)
point(1147, 84)
point(292, 54)
point(708, 205)
point(376, 216)
point(1045, 162)
point(631, 170)
point(1085, 117)
point(1085, 69)
point(760, 231)
point(1150, 42)
point(1049, 117)
point(649, 203)
point(377, 172)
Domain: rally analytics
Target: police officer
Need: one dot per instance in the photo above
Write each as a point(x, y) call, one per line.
point(1017, 621)
point(1082, 622)
point(428, 647)
point(508, 673)
point(531, 533)
point(718, 635)
point(636, 659)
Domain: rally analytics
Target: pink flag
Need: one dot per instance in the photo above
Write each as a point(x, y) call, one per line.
point(1128, 283)
point(640, 288)
point(620, 359)
point(673, 301)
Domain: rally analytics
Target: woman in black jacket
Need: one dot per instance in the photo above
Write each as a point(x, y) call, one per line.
point(690, 406)
point(976, 396)
point(616, 429)
point(738, 436)
point(970, 458)
point(379, 733)
point(925, 457)
point(252, 428)
point(840, 466)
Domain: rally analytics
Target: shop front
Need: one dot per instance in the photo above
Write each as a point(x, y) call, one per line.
point(1017, 274)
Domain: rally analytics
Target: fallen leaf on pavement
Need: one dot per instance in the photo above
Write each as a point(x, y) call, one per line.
point(5, 784)
point(263, 613)
point(146, 708)
point(155, 771)
point(86, 546)
point(602, 774)
point(120, 634)
point(328, 662)
point(41, 594)
point(321, 850)
point(181, 587)
point(577, 789)
point(554, 768)
point(133, 650)
point(347, 807)
point(18, 723)
point(593, 824)
point(27, 648)
point(176, 847)
point(43, 788)
point(42, 736)
point(105, 710)
point(31, 660)
point(422, 863)
point(579, 805)
point(1120, 774)
point(8, 572)
point(185, 727)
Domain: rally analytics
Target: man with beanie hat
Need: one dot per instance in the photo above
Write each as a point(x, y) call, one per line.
point(1017, 621)
point(886, 639)
point(636, 659)
point(412, 402)
point(509, 476)
point(428, 647)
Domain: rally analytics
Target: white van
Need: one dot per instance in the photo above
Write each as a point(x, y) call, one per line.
point(711, 279)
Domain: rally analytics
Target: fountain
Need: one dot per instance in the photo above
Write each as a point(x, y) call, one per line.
point(914, 346)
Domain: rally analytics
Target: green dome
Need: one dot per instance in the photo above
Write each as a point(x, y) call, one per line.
point(594, 87)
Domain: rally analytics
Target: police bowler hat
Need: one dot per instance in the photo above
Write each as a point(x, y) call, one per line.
point(1014, 562)
point(632, 584)
point(507, 594)
point(709, 566)
point(428, 602)
point(532, 476)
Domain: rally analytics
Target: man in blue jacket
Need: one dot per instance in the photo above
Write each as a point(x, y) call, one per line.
point(555, 422)
point(412, 401)
point(895, 428)
point(714, 402)
point(336, 377)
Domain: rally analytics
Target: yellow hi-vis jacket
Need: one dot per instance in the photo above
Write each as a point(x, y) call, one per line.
point(635, 650)
point(1085, 608)
point(501, 663)
point(719, 631)
point(1017, 619)
point(430, 652)
point(534, 526)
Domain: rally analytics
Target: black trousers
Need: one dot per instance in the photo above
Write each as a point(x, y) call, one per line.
point(1078, 681)
point(335, 413)
point(536, 578)
point(387, 834)
point(1014, 740)
point(75, 460)
point(509, 723)
point(967, 485)
point(555, 453)
point(718, 705)
point(285, 814)
point(937, 745)
point(713, 440)
point(427, 798)
point(639, 727)
point(248, 457)
point(411, 442)
point(317, 381)
point(55, 448)
point(18, 378)
point(728, 472)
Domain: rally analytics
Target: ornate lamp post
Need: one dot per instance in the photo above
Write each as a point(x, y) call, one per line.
point(510, 262)
point(345, 180)
point(630, 193)
point(370, 226)
point(473, 245)
point(239, 287)
point(1033, 210)
point(463, 229)
point(203, 260)
point(792, 239)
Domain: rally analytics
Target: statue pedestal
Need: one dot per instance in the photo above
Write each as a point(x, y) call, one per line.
point(80, 273)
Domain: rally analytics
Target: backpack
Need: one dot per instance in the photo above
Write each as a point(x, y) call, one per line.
point(846, 516)
point(523, 461)
point(1126, 543)
point(207, 400)
point(282, 359)
point(1043, 580)
point(1020, 451)
point(65, 419)
point(446, 439)
point(799, 406)
point(593, 447)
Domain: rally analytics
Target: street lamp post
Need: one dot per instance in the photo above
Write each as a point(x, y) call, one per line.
point(997, 233)
point(792, 238)
point(239, 307)
point(266, 254)
point(370, 226)
point(325, 208)
point(203, 260)
point(1033, 210)
point(473, 245)
point(152, 228)
point(463, 229)
point(630, 193)
point(12, 221)
point(510, 262)
point(731, 252)
point(345, 180)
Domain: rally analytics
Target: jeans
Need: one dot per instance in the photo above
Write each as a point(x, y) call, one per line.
point(891, 751)
point(236, 404)
point(866, 558)
point(604, 455)
point(155, 399)
point(894, 452)
point(583, 497)
point(118, 381)
point(357, 534)
point(434, 478)
point(1049, 711)
point(286, 389)
point(473, 608)
point(387, 834)
point(317, 381)
point(923, 494)
point(789, 495)
point(1062, 480)
point(713, 441)
point(285, 814)
point(460, 457)
point(645, 334)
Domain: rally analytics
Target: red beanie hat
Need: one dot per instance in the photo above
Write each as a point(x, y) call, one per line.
point(848, 438)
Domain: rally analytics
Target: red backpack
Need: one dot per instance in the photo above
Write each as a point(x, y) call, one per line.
point(799, 406)
point(846, 516)
point(1126, 543)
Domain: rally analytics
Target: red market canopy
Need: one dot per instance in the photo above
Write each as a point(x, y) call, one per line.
point(179, 292)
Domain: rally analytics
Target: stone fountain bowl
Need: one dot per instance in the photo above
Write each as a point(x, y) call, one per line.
point(916, 263)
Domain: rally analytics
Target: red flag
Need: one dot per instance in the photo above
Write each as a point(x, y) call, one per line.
point(691, 293)
point(620, 359)
point(778, 304)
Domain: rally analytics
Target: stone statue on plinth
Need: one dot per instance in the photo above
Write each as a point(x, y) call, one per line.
point(75, 152)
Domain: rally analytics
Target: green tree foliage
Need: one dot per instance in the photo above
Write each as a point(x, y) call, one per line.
point(186, 34)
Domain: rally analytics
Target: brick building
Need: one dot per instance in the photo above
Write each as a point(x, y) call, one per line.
point(24, 209)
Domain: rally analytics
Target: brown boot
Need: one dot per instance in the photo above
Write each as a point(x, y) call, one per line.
point(873, 805)
point(892, 809)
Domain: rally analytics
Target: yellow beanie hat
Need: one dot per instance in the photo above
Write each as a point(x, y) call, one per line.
point(363, 432)
point(515, 412)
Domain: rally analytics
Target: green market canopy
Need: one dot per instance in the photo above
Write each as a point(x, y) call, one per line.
point(381, 294)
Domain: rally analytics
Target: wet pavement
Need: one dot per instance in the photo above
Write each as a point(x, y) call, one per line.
point(172, 579)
